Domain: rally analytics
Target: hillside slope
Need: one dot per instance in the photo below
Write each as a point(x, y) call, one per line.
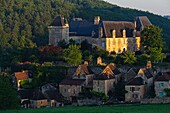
point(23, 22)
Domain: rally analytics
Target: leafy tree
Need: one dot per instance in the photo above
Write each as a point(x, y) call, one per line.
point(167, 90)
point(156, 55)
point(142, 59)
point(8, 95)
point(129, 57)
point(73, 55)
point(151, 37)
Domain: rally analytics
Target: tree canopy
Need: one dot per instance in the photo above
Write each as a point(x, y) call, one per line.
point(73, 55)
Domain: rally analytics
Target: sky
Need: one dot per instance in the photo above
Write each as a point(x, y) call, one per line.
point(160, 7)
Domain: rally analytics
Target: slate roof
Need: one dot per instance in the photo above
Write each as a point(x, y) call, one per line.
point(26, 93)
point(72, 82)
point(59, 21)
point(119, 26)
point(83, 69)
point(21, 75)
point(81, 27)
point(51, 94)
point(141, 22)
point(136, 81)
point(37, 95)
point(164, 77)
point(104, 76)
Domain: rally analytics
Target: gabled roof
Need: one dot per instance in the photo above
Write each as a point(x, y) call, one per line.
point(72, 82)
point(104, 76)
point(119, 26)
point(22, 75)
point(37, 95)
point(164, 77)
point(51, 94)
point(141, 22)
point(81, 27)
point(83, 69)
point(26, 93)
point(136, 81)
point(59, 21)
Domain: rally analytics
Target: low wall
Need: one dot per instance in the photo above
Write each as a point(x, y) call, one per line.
point(157, 100)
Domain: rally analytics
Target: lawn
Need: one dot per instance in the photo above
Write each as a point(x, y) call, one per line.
point(161, 108)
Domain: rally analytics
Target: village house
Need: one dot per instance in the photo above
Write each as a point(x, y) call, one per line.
point(162, 83)
point(136, 89)
point(71, 88)
point(21, 76)
point(104, 82)
point(111, 36)
point(38, 100)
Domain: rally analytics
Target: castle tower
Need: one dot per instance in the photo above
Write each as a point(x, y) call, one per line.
point(58, 30)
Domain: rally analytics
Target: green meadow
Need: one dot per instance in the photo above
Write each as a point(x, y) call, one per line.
point(161, 108)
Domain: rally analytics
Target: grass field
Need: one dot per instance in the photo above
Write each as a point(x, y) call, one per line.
point(161, 108)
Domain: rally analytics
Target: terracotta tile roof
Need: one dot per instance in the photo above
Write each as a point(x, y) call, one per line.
point(59, 21)
point(136, 81)
point(119, 26)
point(164, 77)
point(104, 76)
point(72, 82)
point(22, 75)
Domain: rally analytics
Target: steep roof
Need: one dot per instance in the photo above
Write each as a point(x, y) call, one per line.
point(119, 26)
point(59, 21)
point(22, 75)
point(83, 69)
point(26, 93)
point(37, 95)
point(164, 77)
point(136, 81)
point(72, 82)
point(81, 27)
point(141, 22)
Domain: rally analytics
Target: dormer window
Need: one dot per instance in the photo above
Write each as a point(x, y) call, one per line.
point(114, 33)
point(124, 33)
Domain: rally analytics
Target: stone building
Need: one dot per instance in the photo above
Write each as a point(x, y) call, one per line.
point(58, 30)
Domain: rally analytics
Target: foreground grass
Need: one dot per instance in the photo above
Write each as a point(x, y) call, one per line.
point(161, 108)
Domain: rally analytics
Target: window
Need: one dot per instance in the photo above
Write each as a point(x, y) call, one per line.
point(132, 89)
point(135, 96)
point(161, 85)
point(103, 44)
point(161, 94)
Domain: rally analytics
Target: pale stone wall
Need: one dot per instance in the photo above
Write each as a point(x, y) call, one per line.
point(138, 90)
point(160, 86)
point(70, 90)
point(39, 103)
point(58, 33)
point(156, 100)
point(79, 39)
point(103, 85)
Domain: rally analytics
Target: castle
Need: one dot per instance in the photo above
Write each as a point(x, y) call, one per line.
point(115, 36)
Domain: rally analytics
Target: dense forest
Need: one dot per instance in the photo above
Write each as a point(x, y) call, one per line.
point(23, 23)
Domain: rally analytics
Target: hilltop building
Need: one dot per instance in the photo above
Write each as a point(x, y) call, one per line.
point(118, 36)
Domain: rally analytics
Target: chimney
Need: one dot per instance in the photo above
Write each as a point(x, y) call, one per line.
point(99, 60)
point(149, 64)
point(96, 20)
point(135, 24)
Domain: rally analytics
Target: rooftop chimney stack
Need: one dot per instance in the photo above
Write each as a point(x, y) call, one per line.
point(96, 20)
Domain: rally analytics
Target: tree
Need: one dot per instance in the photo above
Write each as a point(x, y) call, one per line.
point(8, 95)
point(73, 55)
point(151, 37)
point(129, 57)
point(156, 55)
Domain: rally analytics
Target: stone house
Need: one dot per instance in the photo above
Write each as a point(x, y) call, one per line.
point(103, 83)
point(48, 87)
point(84, 72)
point(161, 83)
point(21, 76)
point(38, 100)
point(136, 89)
point(71, 88)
